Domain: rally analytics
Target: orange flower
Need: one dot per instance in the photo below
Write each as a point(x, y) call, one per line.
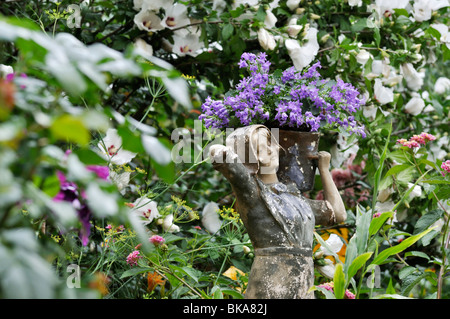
point(100, 283)
point(154, 279)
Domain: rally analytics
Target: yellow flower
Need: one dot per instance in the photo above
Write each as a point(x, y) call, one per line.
point(232, 273)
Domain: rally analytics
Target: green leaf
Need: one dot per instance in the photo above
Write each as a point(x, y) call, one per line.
point(363, 220)
point(398, 248)
point(427, 220)
point(379, 221)
point(357, 263)
point(397, 169)
point(135, 271)
point(227, 31)
point(339, 282)
point(380, 168)
point(69, 128)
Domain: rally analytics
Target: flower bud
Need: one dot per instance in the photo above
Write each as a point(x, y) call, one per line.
point(314, 16)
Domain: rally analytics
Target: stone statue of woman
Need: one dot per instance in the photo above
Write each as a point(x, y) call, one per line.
point(279, 220)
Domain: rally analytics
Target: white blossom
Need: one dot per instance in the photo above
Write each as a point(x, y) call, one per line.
point(416, 192)
point(353, 3)
point(266, 39)
point(423, 9)
point(120, 180)
point(5, 70)
point(146, 210)
point(176, 17)
point(270, 20)
point(383, 94)
point(383, 7)
point(210, 217)
point(292, 4)
point(143, 46)
point(414, 79)
point(168, 224)
point(111, 147)
point(442, 85)
point(147, 20)
point(302, 56)
point(186, 43)
point(363, 56)
point(415, 105)
point(334, 243)
point(444, 34)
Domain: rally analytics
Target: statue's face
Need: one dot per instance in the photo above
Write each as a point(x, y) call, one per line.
point(267, 152)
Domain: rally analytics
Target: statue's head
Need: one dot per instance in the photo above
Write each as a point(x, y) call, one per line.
point(256, 147)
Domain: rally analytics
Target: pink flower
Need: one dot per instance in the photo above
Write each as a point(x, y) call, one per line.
point(376, 215)
point(157, 240)
point(417, 140)
point(101, 171)
point(330, 287)
point(445, 166)
point(133, 258)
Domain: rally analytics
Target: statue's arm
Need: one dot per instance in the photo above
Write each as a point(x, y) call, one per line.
point(227, 162)
point(332, 209)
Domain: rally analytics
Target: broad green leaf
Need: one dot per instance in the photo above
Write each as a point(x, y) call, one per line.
point(69, 128)
point(233, 293)
point(397, 169)
point(379, 221)
point(398, 248)
point(339, 282)
point(427, 220)
point(227, 31)
point(357, 263)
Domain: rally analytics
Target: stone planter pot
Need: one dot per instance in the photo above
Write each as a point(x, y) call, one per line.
point(298, 160)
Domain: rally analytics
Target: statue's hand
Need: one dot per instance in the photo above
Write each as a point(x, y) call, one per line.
point(218, 153)
point(324, 160)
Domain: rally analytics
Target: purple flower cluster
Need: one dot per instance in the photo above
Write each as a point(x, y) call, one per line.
point(70, 192)
point(288, 99)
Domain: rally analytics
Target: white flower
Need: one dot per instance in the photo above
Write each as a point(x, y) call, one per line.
point(111, 147)
point(294, 29)
point(146, 210)
point(416, 192)
point(176, 16)
point(147, 20)
point(443, 31)
point(327, 270)
point(270, 20)
point(5, 70)
point(210, 217)
point(442, 85)
point(266, 39)
point(334, 242)
point(384, 194)
point(144, 47)
point(154, 5)
point(414, 79)
point(186, 43)
point(423, 9)
point(383, 94)
point(353, 3)
point(383, 7)
point(303, 55)
point(334, 245)
point(292, 4)
point(169, 226)
point(415, 105)
point(120, 180)
point(363, 56)
point(219, 5)
point(386, 206)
